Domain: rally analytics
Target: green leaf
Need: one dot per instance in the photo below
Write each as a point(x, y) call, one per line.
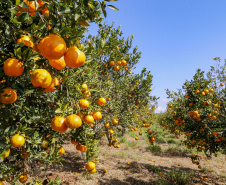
point(64, 31)
point(17, 2)
point(41, 25)
point(77, 16)
point(113, 7)
point(8, 171)
point(58, 110)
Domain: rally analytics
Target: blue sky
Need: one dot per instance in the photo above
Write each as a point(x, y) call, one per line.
point(176, 37)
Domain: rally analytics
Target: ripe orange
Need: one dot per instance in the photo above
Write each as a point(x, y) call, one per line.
point(116, 68)
point(97, 115)
point(119, 63)
point(58, 64)
point(81, 148)
point(136, 138)
point(26, 40)
point(115, 121)
point(83, 104)
point(90, 166)
point(112, 63)
point(197, 91)
point(74, 57)
point(73, 121)
point(61, 150)
point(41, 78)
point(221, 84)
point(74, 142)
point(23, 178)
point(10, 98)
point(101, 101)
point(80, 115)
point(6, 154)
point(52, 47)
point(30, 9)
point(89, 119)
point(111, 131)
point(17, 140)
point(123, 62)
point(13, 67)
point(84, 87)
point(45, 10)
point(24, 154)
point(107, 125)
point(45, 144)
point(54, 86)
point(92, 171)
point(1, 183)
point(59, 124)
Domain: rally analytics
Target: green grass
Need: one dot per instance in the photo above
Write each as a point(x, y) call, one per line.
point(175, 177)
point(156, 149)
point(160, 140)
point(132, 134)
point(204, 169)
point(132, 144)
point(122, 139)
point(171, 141)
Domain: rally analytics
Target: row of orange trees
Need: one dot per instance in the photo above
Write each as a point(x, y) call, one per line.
point(58, 85)
point(198, 111)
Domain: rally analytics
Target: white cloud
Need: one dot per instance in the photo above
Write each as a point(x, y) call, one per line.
point(162, 103)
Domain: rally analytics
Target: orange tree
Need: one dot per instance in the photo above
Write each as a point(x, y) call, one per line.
point(198, 111)
point(58, 85)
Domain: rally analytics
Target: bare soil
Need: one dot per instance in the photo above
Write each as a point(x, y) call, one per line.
point(146, 168)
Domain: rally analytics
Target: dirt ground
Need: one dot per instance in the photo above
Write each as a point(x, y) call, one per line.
point(146, 168)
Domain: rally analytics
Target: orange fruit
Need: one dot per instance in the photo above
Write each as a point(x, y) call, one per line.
point(59, 124)
point(123, 62)
point(45, 144)
point(73, 121)
point(115, 121)
point(45, 10)
point(90, 166)
point(92, 171)
point(55, 83)
point(89, 119)
point(30, 9)
point(84, 86)
point(52, 47)
point(41, 78)
point(111, 131)
point(136, 138)
point(17, 140)
point(80, 115)
point(74, 57)
point(107, 125)
point(13, 67)
point(10, 98)
point(23, 178)
point(74, 142)
point(112, 63)
point(6, 154)
point(61, 151)
point(26, 40)
point(24, 154)
point(101, 101)
point(83, 104)
point(130, 72)
point(1, 183)
point(119, 63)
point(81, 148)
point(58, 64)
point(97, 115)
point(116, 68)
